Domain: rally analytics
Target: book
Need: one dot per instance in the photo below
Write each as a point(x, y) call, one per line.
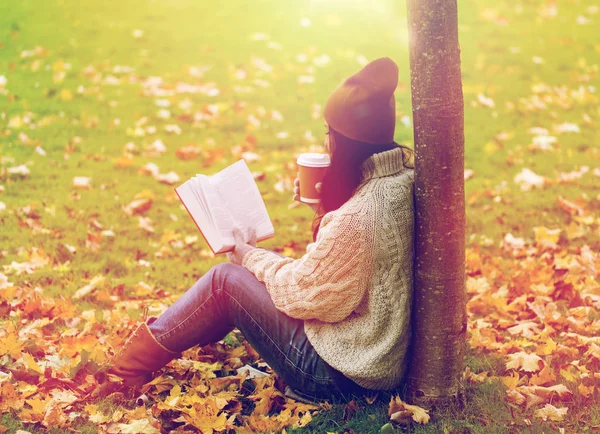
point(219, 202)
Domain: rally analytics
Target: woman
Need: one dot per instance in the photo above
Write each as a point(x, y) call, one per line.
point(336, 321)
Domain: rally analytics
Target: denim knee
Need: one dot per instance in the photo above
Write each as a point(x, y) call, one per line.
point(221, 271)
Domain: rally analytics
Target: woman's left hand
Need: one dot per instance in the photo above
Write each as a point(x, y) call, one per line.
point(243, 244)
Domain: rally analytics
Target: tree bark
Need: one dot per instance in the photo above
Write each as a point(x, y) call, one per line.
point(439, 303)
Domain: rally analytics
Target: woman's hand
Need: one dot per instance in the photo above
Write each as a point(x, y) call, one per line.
point(314, 206)
point(243, 244)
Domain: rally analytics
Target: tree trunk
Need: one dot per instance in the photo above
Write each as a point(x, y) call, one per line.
point(439, 304)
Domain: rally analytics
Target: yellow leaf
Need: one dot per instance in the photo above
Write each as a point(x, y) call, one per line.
point(174, 396)
point(30, 362)
point(288, 251)
point(191, 399)
point(585, 391)
point(208, 424)
point(263, 398)
point(11, 345)
point(567, 375)
point(545, 236)
point(490, 147)
point(511, 381)
point(27, 390)
point(548, 347)
point(66, 95)
point(575, 231)
point(96, 416)
point(58, 65)
point(38, 406)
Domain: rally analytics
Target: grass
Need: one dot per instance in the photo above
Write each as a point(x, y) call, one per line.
point(485, 412)
point(83, 123)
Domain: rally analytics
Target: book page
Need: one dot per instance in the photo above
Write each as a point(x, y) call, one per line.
point(196, 190)
point(217, 209)
point(240, 196)
point(191, 197)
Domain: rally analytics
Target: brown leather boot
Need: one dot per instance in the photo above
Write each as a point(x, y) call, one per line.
point(140, 356)
point(135, 362)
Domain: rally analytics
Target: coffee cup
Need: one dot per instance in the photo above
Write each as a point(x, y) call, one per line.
point(311, 170)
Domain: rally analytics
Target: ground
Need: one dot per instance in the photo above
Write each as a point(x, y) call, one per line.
point(105, 107)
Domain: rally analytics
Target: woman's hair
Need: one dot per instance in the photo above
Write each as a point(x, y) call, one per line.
point(343, 175)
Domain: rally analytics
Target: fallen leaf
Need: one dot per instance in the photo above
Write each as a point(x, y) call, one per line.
point(82, 182)
point(524, 362)
point(528, 180)
point(398, 409)
point(87, 289)
point(138, 206)
point(551, 412)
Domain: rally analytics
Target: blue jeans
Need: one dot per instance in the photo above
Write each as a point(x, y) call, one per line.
point(229, 296)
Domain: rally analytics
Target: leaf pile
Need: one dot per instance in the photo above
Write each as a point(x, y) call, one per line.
point(49, 361)
point(538, 305)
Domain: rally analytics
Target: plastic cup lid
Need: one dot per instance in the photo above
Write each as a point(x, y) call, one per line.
point(312, 159)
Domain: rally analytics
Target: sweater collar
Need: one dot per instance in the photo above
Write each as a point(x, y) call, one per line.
point(382, 164)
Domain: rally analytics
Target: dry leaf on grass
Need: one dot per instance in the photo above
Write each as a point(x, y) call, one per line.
point(138, 206)
point(551, 412)
point(402, 413)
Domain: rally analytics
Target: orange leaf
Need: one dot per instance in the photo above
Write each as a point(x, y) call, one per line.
point(571, 207)
point(545, 376)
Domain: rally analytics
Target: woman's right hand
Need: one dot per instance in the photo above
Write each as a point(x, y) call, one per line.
point(314, 206)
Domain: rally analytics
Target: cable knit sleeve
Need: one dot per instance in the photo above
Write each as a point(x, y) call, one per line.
point(330, 279)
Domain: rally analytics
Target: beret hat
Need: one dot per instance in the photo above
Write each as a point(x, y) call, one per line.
point(363, 107)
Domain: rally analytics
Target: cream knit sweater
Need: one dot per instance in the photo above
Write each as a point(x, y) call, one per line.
point(353, 286)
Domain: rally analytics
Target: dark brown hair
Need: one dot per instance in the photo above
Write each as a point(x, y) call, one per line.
point(343, 175)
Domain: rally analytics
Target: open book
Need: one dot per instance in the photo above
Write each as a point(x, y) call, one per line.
point(219, 202)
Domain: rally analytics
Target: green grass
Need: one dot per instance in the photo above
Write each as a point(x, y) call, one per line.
point(496, 62)
point(485, 412)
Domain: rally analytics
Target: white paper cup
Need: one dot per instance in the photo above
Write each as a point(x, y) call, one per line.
point(311, 168)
